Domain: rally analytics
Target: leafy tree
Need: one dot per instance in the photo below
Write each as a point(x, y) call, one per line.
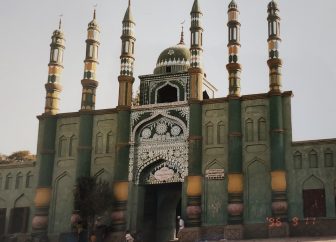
point(22, 155)
point(92, 198)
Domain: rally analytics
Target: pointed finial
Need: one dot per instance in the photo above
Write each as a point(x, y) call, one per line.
point(60, 22)
point(94, 11)
point(182, 34)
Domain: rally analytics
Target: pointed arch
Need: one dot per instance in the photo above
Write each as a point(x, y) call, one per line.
point(22, 201)
point(262, 129)
point(209, 133)
point(167, 93)
point(19, 181)
point(29, 179)
point(297, 158)
point(102, 175)
point(312, 182)
point(220, 133)
point(249, 130)
point(62, 146)
point(99, 143)
point(313, 159)
point(72, 146)
point(109, 142)
point(9, 181)
point(328, 158)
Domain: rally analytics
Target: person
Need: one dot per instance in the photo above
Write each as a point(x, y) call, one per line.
point(129, 237)
point(180, 225)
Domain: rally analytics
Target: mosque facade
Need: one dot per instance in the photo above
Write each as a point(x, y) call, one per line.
point(228, 166)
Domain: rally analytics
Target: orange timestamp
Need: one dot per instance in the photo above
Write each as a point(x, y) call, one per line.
point(295, 221)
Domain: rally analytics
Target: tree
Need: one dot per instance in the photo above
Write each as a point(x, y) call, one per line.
point(22, 155)
point(92, 198)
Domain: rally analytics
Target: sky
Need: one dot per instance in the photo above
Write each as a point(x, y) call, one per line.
point(308, 52)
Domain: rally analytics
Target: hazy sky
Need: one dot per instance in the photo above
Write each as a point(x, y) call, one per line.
point(308, 52)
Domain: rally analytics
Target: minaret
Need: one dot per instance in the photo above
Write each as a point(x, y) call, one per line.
point(48, 134)
point(277, 132)
point(274, 62)
point(89, 81)
point(194, 179)
point(196, 50)
point(53, 86)
point(126, 78)
point(233, 67)
point(235, 176)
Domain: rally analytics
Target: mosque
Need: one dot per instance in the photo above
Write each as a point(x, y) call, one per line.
point(227, 166)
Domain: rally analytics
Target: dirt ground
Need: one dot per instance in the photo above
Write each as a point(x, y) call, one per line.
point(297, 239)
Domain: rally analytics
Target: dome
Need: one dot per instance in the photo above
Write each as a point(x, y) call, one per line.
point(273, 4)
point(173, 59)
point(233, 4)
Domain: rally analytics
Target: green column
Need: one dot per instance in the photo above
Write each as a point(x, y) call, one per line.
point(44, 184)
point(120, 183)
point(194, 179)
point(84, 151)
point(235, 163)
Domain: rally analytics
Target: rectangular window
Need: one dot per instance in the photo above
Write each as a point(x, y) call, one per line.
point(90, 51)
point(126, 50)
point(55, 55)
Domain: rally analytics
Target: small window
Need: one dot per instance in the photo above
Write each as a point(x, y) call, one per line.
point(99, 143)
point(9, 181)
point(261, 129)
point(297, 160)
point(19, 181)
point(328, 158)
point(90, 51)
point(168, 69)
point(249, 130)
point(313, 160)
point(55, 55)
point(109, 143)
point(209, 134)
point(29, 180)
point(72, 146)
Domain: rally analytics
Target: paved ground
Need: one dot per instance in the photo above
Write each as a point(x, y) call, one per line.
point(298, 239)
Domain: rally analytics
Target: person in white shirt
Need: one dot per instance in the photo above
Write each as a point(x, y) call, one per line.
point(129, 237)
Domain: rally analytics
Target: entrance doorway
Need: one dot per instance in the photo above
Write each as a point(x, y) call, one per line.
point(162, 205)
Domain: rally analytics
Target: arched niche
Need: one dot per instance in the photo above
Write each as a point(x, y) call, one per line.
point(166, 94)
point(259, 195)
point(313, 195)
point(215, 194)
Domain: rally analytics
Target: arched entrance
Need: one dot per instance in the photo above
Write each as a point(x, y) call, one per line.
point(313, 193)
point(162, 205)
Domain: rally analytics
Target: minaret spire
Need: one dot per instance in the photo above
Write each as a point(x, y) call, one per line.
point(274, 62)
point(126, 78)
point(60, 22)
point(89, 81)
point(196, 50)
point(53, 86)
point(233, 67)
point(182, 35)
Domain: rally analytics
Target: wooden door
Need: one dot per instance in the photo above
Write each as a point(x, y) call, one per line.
point(314, 203)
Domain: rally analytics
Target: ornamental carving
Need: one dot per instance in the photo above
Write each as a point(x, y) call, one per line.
point(159, 145)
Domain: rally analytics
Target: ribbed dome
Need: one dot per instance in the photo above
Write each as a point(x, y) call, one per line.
point(173, 59)
point(233, 4)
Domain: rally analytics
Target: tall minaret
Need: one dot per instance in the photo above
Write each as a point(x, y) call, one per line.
point(274, 62)
point(277, 131)
point(233, 67)
point(53, 86)
point(126, 78)
point(235, 176)
point(46, 150)
point(89, 81)
point(194, 179)
point(196, 50)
